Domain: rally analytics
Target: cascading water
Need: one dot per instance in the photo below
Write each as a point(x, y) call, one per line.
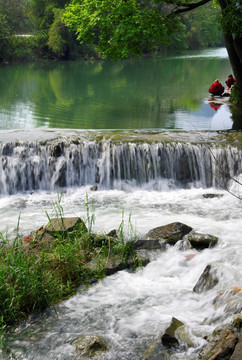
point(32, 166)
point(157, 183)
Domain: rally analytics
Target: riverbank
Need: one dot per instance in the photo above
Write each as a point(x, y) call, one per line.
point(52, 262)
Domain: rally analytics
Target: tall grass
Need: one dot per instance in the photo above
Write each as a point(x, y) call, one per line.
point(37, 273)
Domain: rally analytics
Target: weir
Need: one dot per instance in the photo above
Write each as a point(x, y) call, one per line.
point(32, 166)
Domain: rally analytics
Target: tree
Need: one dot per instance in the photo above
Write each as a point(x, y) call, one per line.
point(123, 28)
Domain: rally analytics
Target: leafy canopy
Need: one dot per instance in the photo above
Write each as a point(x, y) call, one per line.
point(121, 28)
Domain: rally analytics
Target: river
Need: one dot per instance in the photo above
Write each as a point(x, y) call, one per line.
point(145, 134)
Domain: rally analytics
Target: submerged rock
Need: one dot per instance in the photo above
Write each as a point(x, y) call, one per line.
point(221, 344)
point(170, 233)
point(202, 241)
point(169, 339)
point(207, 280)
point(211, 196)
point(90, 347)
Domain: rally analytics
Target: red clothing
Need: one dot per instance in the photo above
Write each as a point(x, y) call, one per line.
point(216, 88)
point(230, 82)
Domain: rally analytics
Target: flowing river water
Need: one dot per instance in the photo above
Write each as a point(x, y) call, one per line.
point(146, 178)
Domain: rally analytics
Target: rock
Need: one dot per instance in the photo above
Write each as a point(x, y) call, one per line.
point(207, 280)
point(94, 188)
point(147, 245)
point(202, 241)
point(90, 346)
point(221, 344)
point(64, 225)
point(115, 263)
point(169, 339)
point(237, 354)
point(230, 300)
point(170, 233)
point(211, 196)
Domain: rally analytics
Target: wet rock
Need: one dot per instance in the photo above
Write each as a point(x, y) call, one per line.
point(230, 300)
point(202, 241)
point(221, 344)
point(90, 347)
point(113, 233)
point(94, 188)
point(237, 354)
point(207, 280)
point(147, 245)
point(65, 225)
point(169, 339)
point(211, 196)
point(115, 263)
point(170, 233)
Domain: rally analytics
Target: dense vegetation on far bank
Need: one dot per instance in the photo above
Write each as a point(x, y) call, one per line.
point(49, 38)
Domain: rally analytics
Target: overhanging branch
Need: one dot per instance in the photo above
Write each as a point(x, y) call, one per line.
point(181, 7)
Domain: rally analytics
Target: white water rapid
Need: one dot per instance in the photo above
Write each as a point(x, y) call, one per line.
point(130, 310)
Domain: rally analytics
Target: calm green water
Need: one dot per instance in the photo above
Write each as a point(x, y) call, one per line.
point(150, 93)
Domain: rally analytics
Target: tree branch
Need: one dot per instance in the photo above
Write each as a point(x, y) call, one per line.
point(187, 7)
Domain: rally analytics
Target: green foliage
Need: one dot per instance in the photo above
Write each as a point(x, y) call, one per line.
point(24, 48)
point(203, 28)
point(121, 28)
point(56, 41)
point(231, 19)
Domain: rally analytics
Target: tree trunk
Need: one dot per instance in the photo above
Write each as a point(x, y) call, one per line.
point(234, 47)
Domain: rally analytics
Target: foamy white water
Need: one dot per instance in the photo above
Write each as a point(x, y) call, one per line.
point(130, 310)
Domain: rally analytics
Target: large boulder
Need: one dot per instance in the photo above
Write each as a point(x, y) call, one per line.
point(202, 241)
point(207, 280)
point(65, 225)
point(90, 347)
point(170, 233)
point(221, 344)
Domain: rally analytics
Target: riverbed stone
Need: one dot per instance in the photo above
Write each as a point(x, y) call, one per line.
point(169, 339)
point(221, 344)
point(170, 233)
point(207, 280)
point(202, 241)
point(237, 354)
point(90, 347)
point(65, 225)
point(212, 196)
point(115, 263)
point(147, 245)
point(230, 300)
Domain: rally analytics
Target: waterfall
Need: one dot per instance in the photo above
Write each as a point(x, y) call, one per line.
point(31, 166)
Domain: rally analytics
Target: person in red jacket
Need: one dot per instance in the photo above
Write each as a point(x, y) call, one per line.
point(230, 81)
point(216, 88)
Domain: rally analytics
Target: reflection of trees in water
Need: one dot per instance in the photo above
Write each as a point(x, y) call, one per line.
point(129, 94)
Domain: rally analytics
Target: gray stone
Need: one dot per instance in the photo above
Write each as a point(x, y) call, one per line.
point(202, 241)
point(169, 339)
point(207, 280)
point(64, 225)
point(211, 196)
point(221, 344)
point(171, 233)
point(90, 346)
point(147, 245)
point(237, 354)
